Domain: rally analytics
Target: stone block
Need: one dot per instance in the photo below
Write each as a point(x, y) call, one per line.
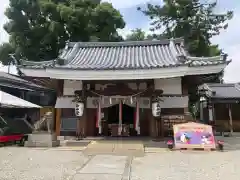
point(42, 140)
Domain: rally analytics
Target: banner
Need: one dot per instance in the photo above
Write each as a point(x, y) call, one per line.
point(193, 135)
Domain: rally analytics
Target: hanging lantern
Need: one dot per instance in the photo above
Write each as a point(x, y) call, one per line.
point(156, 108)
point(203, 100)
point(79, 108)
point(131, 100)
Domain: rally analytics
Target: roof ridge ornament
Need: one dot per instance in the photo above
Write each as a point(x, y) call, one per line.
point(224, 56)
point(182, 58)
point(59, 61)
point(237, 86)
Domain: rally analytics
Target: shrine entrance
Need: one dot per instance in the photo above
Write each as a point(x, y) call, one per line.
point(119, 117)
point(128, 119)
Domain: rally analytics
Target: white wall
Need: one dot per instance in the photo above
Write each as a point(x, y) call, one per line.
point(169, 85)
point(70, 86)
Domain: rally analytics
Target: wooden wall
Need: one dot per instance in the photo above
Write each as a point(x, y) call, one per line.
point(148, 123)
point(222, 116)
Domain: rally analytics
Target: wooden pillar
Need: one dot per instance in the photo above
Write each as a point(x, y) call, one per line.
point(120, 126)
point(152, 126)
point(201, 111)
point(59, 90)
point(58, 121)
point(230, 120)
point(84, 117)
point(185, 85)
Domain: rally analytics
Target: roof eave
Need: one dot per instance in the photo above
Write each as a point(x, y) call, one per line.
point(154, 73)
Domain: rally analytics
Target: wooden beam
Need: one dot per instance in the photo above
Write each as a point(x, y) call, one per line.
point(127, 92)
point(119, 81)
point(59, 85)
point(58, 121)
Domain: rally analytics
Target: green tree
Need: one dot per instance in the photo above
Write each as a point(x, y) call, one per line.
point(139, 35)
point(136, 35)
point(5, 51)
point(196, 22)
point(38, 29)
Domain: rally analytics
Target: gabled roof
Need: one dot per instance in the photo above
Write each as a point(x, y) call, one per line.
point(124, 60)
point(221, 91)
point(125, 55)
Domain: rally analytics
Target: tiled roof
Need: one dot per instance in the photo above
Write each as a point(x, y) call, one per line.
point(14, 80)
point(225, 91)
point(33, 64)
point(126, 55)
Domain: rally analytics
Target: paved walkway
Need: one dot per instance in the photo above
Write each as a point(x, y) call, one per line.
point(50, 164)
point(119, 161)
point(134, 148)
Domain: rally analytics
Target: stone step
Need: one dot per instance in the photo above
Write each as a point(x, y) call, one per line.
point(76, 143)
point(42, 140)
point(42, 144)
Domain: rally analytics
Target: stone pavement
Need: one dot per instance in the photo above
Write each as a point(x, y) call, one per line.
point(129, 148)
point(49, 164)
point(17, 163)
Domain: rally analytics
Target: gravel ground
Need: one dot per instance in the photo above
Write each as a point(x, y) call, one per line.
point(50, 164)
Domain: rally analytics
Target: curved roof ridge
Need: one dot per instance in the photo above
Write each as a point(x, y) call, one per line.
point(127, 43)
point(25, 62)
point(211, 58)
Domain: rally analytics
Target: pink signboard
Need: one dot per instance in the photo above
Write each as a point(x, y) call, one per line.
point(193, 135)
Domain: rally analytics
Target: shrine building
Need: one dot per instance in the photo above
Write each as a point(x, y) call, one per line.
point(131, 88)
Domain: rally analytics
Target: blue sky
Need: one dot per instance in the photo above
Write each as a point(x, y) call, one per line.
point(229, 40)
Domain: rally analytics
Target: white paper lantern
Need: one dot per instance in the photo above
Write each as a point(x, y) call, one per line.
point(79, 109)
point(156, 109)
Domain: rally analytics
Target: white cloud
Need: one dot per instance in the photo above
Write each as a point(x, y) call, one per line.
point(229, 41)
point(3, 19)
point(124, 32)
point(8, 69)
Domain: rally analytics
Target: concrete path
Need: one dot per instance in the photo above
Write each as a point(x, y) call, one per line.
point(49, 164)
point(18, 163)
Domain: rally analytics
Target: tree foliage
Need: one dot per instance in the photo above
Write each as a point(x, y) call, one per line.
point(196, 22)
point(38, 29)
point(139, 35)
point(5, 50)
point(136, 35)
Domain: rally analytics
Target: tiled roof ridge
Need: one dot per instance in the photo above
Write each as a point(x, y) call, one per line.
point(212, 58)
point(126, 43)
point(27, 63)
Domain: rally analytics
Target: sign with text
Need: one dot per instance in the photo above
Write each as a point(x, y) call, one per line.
point(193, 135)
